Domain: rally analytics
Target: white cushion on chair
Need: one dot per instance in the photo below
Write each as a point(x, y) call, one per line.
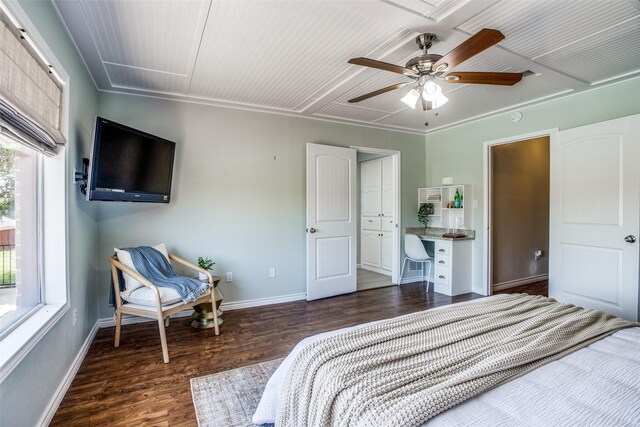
point(147, 297)
point(130, 283)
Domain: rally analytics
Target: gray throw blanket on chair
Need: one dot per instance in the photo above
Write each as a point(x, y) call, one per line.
point(152, 265)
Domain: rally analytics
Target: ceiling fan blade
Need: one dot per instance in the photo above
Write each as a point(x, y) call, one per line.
point(504, 79)
point(379, 92)
point(372, 63)
point(475, 44)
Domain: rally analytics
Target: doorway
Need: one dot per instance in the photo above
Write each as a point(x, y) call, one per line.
point(518, 216)
point(333, 218)
point(378, 213)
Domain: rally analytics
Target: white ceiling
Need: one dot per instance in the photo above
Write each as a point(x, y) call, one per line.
point(291, 56)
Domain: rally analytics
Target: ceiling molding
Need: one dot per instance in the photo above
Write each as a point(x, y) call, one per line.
point(209, 103)
point(291, 57)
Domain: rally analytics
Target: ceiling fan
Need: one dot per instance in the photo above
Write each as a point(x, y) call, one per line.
point(423, 70)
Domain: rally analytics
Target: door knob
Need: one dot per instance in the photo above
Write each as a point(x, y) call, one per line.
point(630, 238)
point(312, 230)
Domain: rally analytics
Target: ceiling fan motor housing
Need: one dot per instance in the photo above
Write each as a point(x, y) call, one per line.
point(422, 64)
point(425, 40)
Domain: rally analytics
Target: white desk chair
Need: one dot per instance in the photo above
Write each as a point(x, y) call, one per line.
point(415, 251)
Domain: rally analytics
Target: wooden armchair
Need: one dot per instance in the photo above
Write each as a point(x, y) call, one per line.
point(158, 311)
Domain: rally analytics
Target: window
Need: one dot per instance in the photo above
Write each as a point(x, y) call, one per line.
point(33, 239)
point(20, 286)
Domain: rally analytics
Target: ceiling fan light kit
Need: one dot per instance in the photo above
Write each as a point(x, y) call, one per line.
point(429, 92)
point(424, 69)
point(411, 98)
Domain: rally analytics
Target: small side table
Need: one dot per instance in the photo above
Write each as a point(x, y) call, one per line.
point(203, 313)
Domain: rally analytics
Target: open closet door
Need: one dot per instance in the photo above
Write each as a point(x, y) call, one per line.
point(595, 216)
point(331, 221)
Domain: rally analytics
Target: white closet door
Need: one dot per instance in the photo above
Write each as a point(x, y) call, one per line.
point(332, 221)
point(595, 216)
point(370, 175)
point(370, 248)
point(386, 249)
point(387, 187)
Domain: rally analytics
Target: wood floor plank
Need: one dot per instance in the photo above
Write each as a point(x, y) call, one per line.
point(130, 386)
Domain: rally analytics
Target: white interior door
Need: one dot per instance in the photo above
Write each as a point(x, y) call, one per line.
point(595, 216)
point(331, 221)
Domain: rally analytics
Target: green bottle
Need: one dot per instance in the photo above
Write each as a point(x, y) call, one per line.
point(457, 200)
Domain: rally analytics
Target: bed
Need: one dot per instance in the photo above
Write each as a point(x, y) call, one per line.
point(598, 384)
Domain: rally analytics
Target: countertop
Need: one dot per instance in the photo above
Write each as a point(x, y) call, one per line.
point(436, 233)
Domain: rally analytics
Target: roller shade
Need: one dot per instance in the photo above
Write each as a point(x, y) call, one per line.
point(30, 95)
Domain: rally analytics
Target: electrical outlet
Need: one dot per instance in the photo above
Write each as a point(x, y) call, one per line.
point(75, 316)
point(229, 276)
point(272, 272)
point(475, 204)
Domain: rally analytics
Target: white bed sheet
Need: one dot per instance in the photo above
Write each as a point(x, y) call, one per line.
point(598, 385)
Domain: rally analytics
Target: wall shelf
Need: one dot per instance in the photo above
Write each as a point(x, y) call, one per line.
point(443, 216)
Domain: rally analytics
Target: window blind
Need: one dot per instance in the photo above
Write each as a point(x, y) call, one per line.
point(30, 96)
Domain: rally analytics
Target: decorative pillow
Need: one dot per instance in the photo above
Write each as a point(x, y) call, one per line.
point(146, 296)
point(130, 283)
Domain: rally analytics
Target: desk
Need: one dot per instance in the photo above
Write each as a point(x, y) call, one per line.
point(451, 274)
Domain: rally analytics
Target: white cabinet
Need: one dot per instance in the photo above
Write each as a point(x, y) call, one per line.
point(445, 214)
point(377, 210)
point(387, 224)
point(386, 187)
point(386, 249)
point(370, 248)
point(452, 272)
point(376, 249)
point(370, 188)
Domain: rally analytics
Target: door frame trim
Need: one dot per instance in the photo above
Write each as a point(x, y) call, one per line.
point(397, 162)
point(486, 162)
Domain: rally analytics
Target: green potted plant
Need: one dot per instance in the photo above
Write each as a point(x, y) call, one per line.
point(425, 210)
point(207, 264)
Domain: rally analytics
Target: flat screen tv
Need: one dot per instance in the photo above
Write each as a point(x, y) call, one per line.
point(129, 165)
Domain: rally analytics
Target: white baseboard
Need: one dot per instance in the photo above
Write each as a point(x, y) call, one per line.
point(68, 378)
point(411, 279)
point(237, 305)
point(375, 270)
point(520, 282)
point(127, 319)
point(110, 322)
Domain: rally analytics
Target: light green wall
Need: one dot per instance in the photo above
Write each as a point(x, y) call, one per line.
point(26, 392)
point(458, 151)
point(231, 200)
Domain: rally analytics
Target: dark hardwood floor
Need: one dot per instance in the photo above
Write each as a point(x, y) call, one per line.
point(130, 386)
point(538, 288)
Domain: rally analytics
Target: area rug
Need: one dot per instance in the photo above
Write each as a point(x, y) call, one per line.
point(230, 398)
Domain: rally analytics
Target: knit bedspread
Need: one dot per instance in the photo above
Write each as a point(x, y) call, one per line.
point(403, 371)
